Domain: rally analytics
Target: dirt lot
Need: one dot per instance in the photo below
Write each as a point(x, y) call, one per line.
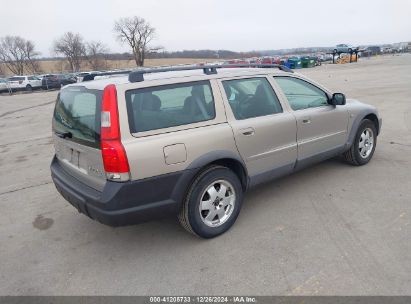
point(331, 229)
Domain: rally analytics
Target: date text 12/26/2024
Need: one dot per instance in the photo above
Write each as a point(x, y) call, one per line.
point(203, 299)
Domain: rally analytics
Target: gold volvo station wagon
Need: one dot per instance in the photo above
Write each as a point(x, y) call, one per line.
point(189, 141)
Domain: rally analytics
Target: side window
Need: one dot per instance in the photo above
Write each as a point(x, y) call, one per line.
point(301, 94)
point(169, 106)
point(251, 97)
point(31, 78)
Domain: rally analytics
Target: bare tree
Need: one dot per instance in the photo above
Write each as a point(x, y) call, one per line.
point(18, 54)
point(30, 53)
point(138, 34)
point(96, 55)
point(71, 45)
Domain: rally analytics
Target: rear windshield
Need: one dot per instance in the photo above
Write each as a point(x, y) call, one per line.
point(78, 111)
point(169, 106)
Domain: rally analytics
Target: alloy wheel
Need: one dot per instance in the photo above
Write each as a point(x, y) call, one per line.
point(217, 203)
point(366, 143)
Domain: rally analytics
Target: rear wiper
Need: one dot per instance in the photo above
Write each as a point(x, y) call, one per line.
point(64, 134)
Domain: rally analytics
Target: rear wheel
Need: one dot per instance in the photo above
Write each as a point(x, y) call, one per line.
point(29, 88)
point(212, 203)
point(364, 145)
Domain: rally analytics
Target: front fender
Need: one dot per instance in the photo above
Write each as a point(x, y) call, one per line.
point(359, 112)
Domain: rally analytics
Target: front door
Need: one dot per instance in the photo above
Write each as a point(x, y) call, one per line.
point(321, 128)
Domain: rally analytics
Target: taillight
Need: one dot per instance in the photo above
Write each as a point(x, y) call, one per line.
point(114, 156)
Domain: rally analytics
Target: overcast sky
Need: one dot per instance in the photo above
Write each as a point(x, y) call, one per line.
point(237, 25)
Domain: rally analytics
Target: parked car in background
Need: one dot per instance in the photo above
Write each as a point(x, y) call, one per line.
point(236, 61)
point(3, 85)
point(308, 61)
point(27, 83)
point(254, 60)
point(387, 50)
point(271, 60)
point(345, 48)
point(80, 76)
point(374, 50)
point(56, 81)
point(294, 62)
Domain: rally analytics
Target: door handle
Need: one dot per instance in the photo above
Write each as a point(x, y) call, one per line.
point(306, 120)
point(248, 131)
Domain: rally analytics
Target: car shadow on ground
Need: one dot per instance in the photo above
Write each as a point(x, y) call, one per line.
point(169, 231)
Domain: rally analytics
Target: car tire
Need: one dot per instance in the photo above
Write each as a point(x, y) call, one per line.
point(362, 150)
point(213, 202)
point(335, 51)
point(350, 51)
point(29, 88)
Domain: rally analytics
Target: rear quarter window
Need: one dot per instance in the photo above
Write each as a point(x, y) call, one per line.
point(169, 106)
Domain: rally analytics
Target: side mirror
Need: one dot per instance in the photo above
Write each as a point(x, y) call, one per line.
point(338, 99)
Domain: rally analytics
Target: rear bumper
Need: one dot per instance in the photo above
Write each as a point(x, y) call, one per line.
point(127, 203)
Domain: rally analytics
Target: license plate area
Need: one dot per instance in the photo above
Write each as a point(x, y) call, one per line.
point(68, 154)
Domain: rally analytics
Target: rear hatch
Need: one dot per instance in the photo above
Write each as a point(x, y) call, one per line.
point(16, 81)
point(76, 134)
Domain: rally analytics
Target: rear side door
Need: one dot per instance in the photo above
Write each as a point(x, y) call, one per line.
point(321, 128)
point(264, 133)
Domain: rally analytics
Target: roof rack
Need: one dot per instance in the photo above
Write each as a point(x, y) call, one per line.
point(138, 75)
point(90, 77)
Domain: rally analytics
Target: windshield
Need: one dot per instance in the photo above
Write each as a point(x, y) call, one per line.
point(77, 113)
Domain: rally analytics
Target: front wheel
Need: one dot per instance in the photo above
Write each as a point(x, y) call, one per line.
point(213, 202)
point(29, 88)
point(364, 145)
